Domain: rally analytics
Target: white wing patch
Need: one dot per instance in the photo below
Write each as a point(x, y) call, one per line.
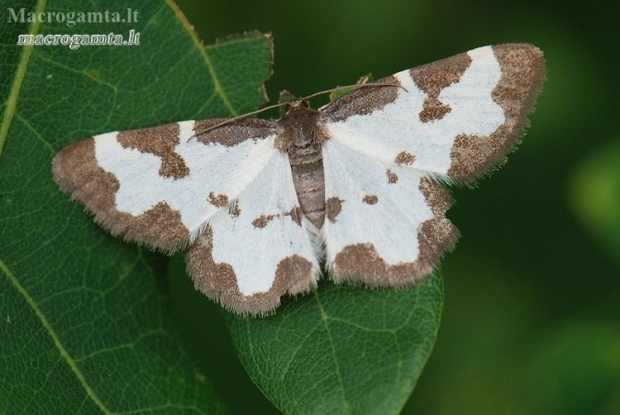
point(269, 228)
point(260, 248)
point(379, 221)
point(186, 131)
point(141, 186)
point(397, 129)
point(375, 211)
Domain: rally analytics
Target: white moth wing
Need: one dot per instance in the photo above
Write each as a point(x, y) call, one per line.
point(160, 186)
point(227, 192)
point(397, 129)
point(385, 223)
point(259, 250)
point(453, 119)
point(216, 170)
point(450, 120)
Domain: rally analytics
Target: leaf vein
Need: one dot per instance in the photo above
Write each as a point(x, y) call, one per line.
point(11, 102)
point(325, 320)
point(52, 333)
point(206, 58)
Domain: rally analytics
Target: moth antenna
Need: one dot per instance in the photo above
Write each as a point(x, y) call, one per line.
point(353, 88)
point(238, 117)
point(280, 104)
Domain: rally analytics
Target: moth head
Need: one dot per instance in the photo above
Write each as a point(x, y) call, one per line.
point(300, 128)
point(297, 105)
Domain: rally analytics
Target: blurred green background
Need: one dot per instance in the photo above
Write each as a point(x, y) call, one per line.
point(531, 320)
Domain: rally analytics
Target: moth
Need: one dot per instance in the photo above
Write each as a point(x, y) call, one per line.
point(354, 188)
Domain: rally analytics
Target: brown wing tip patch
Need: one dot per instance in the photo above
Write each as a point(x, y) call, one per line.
point(79, 156)
point(523, 72)
point(294, 275)
point(76, 171)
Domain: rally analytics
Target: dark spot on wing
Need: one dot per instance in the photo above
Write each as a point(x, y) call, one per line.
point(262, 221)
point(404, 158)
point(296, 214)
point(160, 141)
point(391, 176)
point(218, 200)
point(234, 209)
point(433, 110)
point(333, 206)
point(433, 78)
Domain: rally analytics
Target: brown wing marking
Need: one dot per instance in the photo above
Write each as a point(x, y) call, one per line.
point(433, 78)
point(360, 263)
point(76, 171)
point(523, 71)
point(294, 275)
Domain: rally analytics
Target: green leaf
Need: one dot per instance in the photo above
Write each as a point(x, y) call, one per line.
point(342, 349)
point(341, 91)
point(84, 318)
